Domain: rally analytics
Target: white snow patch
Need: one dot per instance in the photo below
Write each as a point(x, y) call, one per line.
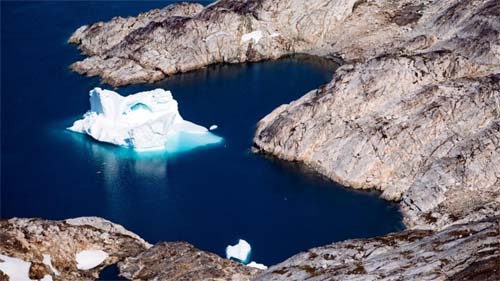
point(257, 265)
point(47, 278)
point(48, 261)
point(217, 34)
point(275, 34)
point(88, 259)
point(213, 127)
point(240, 251)
point(16, 269)
point(143, 121)
point(254, 35)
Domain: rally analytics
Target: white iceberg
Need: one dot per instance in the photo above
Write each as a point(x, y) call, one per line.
point(143, 121)
point(240, 251)
point(257, 265)
point(88, 259)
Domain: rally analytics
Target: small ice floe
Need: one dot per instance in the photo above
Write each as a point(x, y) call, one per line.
point(88, 259)
point(48, 262)
point(257, 265)
point(240, 251)
point(213, 127)
point(143, 121)
point(16, 269)
point(254, 35)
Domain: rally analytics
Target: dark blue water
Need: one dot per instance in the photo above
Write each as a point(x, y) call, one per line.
point(209, 197)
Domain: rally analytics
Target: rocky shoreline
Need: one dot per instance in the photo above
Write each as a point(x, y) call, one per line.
point(414, 112)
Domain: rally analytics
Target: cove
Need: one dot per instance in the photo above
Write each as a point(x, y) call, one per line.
point(209, 197)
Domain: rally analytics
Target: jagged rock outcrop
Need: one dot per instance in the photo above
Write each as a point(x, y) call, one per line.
point(31, 239)
point(178, 261)
point(460, 252)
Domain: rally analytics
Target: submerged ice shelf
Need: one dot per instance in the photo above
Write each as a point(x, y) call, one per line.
point(143, 121)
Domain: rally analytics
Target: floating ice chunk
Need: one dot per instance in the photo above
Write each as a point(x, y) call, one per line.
point(143, 121)
point(213, 127)
point(240, 251)
point(257, 265)
point(16, 269)
point(48, 262)
point(88, 259)
point(254, 35)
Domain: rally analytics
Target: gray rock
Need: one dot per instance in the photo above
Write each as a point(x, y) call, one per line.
point(423, 129)
point(181, 261)
point(459, 252)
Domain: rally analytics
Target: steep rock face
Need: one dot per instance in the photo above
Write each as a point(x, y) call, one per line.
point(421, 128)
point(183, 37)
point(460, 252)
point(181, 261)
point(30, 239)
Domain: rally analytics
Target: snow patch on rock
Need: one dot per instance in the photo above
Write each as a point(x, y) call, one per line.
point(88, 259)
point(16, 269)
point(48, 261)
point(254, 35)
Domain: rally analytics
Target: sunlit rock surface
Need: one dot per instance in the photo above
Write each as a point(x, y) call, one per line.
point(181, 261)
point(143, 121)
point(459, 252)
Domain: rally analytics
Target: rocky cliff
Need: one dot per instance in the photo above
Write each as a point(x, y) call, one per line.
point(414, 112)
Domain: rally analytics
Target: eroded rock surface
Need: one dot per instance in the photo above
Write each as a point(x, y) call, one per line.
point(460, 252)
point(31, 239)
point(181, 261)
point(424, 129)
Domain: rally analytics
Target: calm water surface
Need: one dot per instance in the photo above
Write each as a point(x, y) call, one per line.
point(209, 197)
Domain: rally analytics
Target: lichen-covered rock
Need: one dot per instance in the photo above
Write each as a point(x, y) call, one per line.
point(459, 252)
point(178, 261)
point(31, 239)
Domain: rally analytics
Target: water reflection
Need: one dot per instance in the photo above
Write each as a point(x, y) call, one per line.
point(125, 175)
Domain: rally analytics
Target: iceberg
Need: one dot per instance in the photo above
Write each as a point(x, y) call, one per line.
point(240, 251)
point(88, 259)
point(143, 121)
point(257, 265)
